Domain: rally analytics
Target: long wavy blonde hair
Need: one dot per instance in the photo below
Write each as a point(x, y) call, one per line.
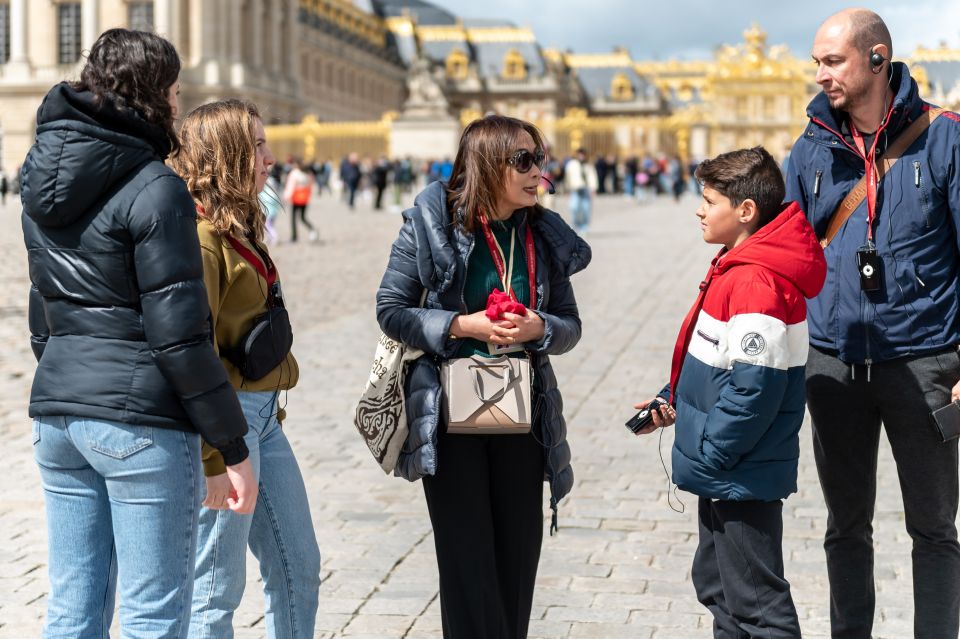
point(217, 160)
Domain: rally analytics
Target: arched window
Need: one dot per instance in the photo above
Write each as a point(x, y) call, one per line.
point(514, 66)
point(457, 64)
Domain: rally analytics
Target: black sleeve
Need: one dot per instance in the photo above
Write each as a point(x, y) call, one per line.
point(37, 319)
point(169, 271)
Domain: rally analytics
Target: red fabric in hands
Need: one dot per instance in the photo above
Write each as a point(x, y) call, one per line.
point(499, 303)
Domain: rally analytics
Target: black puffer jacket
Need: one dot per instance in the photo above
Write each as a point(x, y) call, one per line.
point(118, 309)
point(432, 252)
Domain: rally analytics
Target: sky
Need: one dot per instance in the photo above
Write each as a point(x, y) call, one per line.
point(692, 29)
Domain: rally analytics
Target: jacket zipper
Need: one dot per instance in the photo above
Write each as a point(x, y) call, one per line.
point(867, 361)
point(816, 195)
point(918, 182)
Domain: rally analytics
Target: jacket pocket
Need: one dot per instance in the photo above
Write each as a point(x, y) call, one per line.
point(115, 439)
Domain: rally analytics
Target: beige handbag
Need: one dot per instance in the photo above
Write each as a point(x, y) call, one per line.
point(487, 395)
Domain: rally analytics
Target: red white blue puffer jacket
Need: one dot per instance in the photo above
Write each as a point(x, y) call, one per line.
point(739, 365)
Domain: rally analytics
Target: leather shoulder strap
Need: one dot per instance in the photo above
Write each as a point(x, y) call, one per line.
point(859, 191)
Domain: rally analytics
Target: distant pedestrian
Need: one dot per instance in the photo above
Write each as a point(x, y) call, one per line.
point(297, 192)
point(582, 183)
point(270, 203)
point(4, 187)
point(350, 175)
point(379, 175)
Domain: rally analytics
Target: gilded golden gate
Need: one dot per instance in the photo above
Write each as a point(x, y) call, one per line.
point(312, 140)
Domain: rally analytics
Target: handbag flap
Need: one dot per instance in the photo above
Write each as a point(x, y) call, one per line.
point(475, 383)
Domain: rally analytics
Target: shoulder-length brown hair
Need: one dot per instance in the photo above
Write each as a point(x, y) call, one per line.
point(479, 170)
point(217, 159)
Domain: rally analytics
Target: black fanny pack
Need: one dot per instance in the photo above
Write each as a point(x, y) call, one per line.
point(268, 342)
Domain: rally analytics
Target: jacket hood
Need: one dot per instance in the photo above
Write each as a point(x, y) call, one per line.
point(436, 259)
point(906, 101)
point(82, 152)
point(787, 246)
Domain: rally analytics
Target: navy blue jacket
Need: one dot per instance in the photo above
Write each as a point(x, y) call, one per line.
point(432, 252)
point(918, 213)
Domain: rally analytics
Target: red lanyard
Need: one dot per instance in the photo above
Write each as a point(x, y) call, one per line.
point(502, 268)
point(268, 272)
point(870, 160)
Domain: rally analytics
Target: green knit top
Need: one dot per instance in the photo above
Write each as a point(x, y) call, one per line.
point(482, 277)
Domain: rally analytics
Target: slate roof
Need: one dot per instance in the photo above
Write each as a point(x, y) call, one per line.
point(422, 12)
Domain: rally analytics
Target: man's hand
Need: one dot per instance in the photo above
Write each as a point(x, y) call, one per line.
point(955, 393)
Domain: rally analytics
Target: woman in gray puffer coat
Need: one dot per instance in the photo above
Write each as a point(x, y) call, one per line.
point(485, 492)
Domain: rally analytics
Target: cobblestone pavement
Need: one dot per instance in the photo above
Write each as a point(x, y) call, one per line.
point(619, 566)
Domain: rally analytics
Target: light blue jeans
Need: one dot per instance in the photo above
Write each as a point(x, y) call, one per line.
point(280, 535)
point(121, 499)
point(580, 209)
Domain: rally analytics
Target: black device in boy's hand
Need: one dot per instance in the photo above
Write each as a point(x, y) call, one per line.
point(642, 419)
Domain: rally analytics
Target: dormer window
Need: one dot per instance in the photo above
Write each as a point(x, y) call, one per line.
point(514, 66)
point(621, 88)
point(457, 64)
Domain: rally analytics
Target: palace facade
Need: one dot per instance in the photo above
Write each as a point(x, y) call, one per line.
point(336, 75)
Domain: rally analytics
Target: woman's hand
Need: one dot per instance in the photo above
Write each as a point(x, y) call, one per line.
point(664, 415)
point(511, 330)
point(518, 329)
point(218, 490)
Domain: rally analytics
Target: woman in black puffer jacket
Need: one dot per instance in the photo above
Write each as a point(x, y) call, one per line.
point(127, 374)
point(485, 492)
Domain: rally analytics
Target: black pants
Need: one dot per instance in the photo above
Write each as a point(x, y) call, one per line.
point(378, 202)
point(738, 570)
point(486, 507)
point(299, 211)
point(847, 411)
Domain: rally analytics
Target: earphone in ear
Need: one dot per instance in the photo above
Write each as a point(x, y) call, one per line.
point(876, 61)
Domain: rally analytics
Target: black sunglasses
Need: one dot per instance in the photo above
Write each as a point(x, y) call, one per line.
point(524, 160)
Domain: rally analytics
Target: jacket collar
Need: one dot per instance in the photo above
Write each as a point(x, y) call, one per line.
point(440, 241)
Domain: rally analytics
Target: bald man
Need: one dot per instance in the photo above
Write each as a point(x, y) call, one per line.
point(884, 331)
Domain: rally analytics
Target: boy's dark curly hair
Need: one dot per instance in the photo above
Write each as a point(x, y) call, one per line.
point(134, 70)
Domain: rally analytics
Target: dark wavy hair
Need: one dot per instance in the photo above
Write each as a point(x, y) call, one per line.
point(479, 170)
point(134, 70)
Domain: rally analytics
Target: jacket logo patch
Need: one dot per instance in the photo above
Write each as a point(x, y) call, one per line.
point(753, 344)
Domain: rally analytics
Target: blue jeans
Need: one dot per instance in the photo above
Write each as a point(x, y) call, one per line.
point(121, 499)
point(580, 209)
point(280, 535)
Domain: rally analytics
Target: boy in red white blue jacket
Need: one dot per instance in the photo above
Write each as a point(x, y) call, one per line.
point(737, 394)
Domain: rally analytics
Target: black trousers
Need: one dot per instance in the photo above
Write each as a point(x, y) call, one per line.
point(847, 412)
point(486, 507)
point(738, 570)
point(299, 211)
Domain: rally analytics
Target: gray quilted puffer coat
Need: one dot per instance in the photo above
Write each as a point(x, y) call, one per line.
point(432, 252)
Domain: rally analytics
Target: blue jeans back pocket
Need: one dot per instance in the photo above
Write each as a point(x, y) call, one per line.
point(36, 432)
point(115, 439)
